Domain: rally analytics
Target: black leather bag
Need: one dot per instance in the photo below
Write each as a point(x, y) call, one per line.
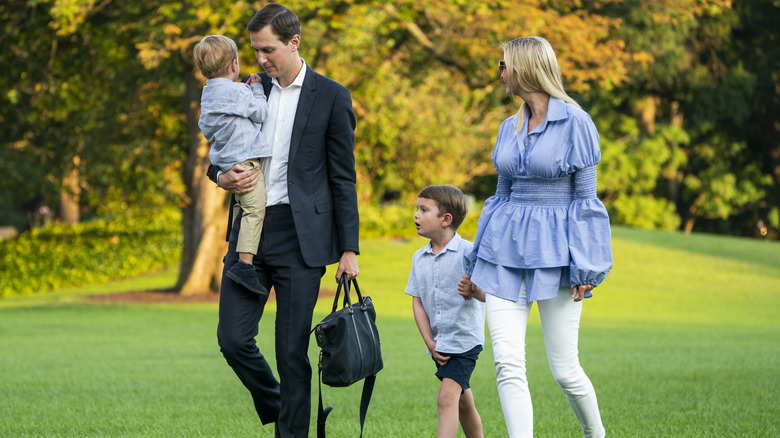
point(350, 348)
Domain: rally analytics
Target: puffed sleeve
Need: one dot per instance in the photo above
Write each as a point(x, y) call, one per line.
point(589, 237)
point(503, 190)
point(583, 150)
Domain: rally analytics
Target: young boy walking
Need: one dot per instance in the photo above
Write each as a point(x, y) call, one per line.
point(452, 324)
point(231, 118)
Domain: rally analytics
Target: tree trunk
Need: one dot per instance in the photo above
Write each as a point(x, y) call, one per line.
point(204, 214)
point(645, 109)
point(690, 217)
point(70, 195)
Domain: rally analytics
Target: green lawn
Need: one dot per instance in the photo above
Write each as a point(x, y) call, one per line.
point(682, 340)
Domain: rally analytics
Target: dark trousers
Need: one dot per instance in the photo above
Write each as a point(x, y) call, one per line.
point(279, 263)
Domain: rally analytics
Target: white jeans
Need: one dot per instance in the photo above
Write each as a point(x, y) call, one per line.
point(560, 317)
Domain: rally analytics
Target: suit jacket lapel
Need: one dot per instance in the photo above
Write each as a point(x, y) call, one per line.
point(305, 103)
point(266, 83)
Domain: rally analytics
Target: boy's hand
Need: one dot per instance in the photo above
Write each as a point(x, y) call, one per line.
point(469, 290)
point(439, 358)
point(254, 78)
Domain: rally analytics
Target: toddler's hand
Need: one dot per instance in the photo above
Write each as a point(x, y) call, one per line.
point(254, 78)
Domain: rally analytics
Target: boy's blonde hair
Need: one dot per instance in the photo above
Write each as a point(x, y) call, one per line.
point(448, 199)
point(214, 54)
point(531, 60)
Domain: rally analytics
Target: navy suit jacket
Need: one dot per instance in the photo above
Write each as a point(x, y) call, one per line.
point(321, 170)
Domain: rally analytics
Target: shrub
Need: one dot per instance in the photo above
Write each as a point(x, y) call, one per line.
point(58, 256)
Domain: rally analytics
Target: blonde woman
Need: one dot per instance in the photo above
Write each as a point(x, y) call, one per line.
point(544, 237)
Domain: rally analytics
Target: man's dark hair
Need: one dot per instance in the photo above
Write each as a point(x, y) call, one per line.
point(284, 23)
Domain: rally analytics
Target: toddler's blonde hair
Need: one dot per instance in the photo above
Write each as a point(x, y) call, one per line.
point(214, 54)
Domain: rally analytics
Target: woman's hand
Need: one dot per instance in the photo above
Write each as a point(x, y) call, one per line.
point(578, 292)
point(237, 180)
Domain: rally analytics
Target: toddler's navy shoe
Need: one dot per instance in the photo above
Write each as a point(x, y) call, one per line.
point(244, 274)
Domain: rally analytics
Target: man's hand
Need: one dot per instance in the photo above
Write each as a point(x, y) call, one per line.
point(578, 292)
point(349, 265)
point(237, 180)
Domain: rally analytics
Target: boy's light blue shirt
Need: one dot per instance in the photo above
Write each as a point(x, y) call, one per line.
point(457, 325)
point(231, 117)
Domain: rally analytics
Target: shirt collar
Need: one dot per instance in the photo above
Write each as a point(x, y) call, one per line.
point(452, 245)
point(298, 81)
point(556, 110)
point(217, 80)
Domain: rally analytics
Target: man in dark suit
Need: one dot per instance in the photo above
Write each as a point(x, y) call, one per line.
point(311, 221)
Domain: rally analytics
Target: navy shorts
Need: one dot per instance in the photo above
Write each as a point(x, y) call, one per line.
point(459, 367)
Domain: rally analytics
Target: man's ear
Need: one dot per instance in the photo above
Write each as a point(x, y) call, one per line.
point(295, 41)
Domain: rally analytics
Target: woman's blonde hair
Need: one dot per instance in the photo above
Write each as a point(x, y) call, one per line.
point(532, 62)
point(214, 54)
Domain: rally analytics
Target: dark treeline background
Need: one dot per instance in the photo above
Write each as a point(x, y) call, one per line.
point(100, 101)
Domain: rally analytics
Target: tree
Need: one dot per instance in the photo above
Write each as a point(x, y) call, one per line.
point(166, 51)
point(681, 82)
point(425, 83)
point(75, 119)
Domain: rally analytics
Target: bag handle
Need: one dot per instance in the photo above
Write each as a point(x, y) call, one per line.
point(344, 283)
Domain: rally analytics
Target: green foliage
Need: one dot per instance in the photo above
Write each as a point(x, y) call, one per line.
point(59, 256)
point(386, 221)
point(643, 212)
point(76, 100)
point(635, 164)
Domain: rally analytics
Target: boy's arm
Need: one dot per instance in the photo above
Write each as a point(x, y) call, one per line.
point(250, 101)
point(258, 107)
point(469, 290)
point(424, 325)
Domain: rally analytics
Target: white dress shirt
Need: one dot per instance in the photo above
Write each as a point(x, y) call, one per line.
point(282, 106)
